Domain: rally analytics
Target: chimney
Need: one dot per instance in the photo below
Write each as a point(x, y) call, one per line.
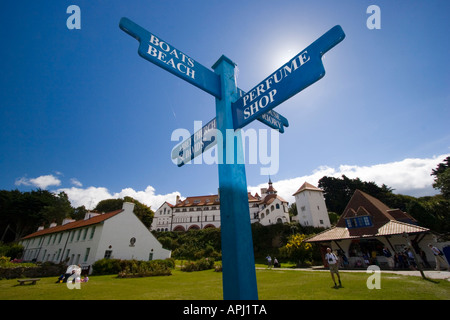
point(40, 228)
point(66, 221)
point(178, 199)
point(53, 224)
point(128, 206)
point(90, 214)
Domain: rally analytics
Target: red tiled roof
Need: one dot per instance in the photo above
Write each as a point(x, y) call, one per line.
point(307, 186)
point(206, 201)
point(74, 225)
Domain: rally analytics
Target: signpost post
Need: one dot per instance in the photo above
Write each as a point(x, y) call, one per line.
point(234, 110)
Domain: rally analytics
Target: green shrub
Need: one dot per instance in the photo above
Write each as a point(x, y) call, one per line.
point(199, 265)
point(133, 268)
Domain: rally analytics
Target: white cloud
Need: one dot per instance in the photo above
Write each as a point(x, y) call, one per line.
point(41, 182)
point(89, 197)
point(408, 176)
point(76, 182)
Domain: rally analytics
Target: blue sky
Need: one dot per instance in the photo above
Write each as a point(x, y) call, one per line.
point(81, 112)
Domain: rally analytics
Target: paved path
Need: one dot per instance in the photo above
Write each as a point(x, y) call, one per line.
point(431, 274)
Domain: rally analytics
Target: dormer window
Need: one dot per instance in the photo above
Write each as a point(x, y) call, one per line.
point(358, 222)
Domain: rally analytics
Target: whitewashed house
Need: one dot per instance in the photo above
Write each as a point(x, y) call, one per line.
point(118, 234)
point(201, 212)
point(311, 207)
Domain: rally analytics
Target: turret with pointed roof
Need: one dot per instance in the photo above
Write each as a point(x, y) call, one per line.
point(311, 207)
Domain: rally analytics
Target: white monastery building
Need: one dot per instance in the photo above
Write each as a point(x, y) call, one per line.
point(203, 212)
point(118, 234)
point(311, 207)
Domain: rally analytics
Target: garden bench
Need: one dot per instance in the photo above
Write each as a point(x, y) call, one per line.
point(32, 281)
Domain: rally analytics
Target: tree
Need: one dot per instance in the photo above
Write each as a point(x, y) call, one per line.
point(338, 191)
point(292, 210)
point(143, 212)
point(23, 212)
point(297, 249)
point(442, 178)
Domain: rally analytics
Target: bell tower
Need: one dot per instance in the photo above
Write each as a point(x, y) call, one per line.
point(311, 208)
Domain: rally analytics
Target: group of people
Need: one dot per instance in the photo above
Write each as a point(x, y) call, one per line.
point(73, 273)
point(401, 260)
point(275, 264)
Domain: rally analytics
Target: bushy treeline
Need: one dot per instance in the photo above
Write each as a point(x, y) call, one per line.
point(267, 240)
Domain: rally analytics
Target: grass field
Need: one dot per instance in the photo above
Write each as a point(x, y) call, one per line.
point(207, 285)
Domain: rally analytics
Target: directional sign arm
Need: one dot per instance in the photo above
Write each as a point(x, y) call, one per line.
point(300, 72)
point(271, 118)
point(164, 55)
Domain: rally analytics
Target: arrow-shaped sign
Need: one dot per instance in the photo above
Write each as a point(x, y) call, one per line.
point(161, 53)
point(300, 72)
point(205, 138)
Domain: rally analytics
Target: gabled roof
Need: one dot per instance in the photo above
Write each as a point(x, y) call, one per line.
point(74, 225)
point(362, 203)
point(385, 221)
point(271, 198)
point(307, 186)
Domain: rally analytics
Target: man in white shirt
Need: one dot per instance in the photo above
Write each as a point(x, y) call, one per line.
point(438, 258)
point(334, 266)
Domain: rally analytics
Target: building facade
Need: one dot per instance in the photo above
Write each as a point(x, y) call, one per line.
point(311, 207)
point(118, 234)
point(367, 226)
point(201, 212)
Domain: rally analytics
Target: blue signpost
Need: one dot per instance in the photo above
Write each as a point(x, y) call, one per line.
point(234, 110)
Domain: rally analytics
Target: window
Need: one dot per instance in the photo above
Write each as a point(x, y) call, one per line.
point(108, 254)
point(85, 233)
point(92, 232)
point(358, 222)
point(67, 254)
point(86, 255)
point(277, 206)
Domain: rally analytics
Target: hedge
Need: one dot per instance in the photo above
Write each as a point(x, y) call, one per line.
point(133, 268)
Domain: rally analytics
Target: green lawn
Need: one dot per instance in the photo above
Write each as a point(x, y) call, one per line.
point(207, 285)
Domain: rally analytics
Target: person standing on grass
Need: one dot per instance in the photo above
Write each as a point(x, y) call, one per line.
point(438, 258)
point(334, 266)
point(269, 261)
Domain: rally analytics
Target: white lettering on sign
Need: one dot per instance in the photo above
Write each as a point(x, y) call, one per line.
point(171, 56)
point(263, 90)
